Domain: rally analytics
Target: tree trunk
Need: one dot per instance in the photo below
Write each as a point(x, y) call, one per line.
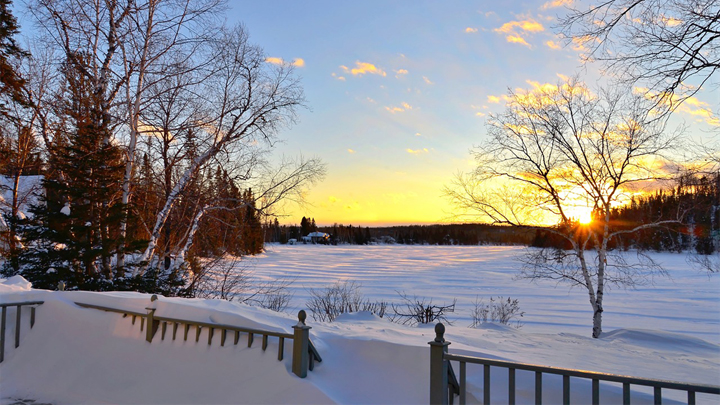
point(597, 320)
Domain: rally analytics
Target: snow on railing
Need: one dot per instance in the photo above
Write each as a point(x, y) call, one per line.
point(18, 312)
point(304, 352)
point(444, 386)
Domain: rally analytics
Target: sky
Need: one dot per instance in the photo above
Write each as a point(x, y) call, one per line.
point(398, 92)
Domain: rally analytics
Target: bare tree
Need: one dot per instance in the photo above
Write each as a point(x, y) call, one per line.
point(670, 46)
point(200, 93)
point(231, 278)
point(413, 311)
point(159, 33)
point(557, 148)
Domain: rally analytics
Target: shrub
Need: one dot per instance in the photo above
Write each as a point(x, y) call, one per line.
point(502, 311)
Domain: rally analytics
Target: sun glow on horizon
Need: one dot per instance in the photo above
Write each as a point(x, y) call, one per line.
point(581, 214)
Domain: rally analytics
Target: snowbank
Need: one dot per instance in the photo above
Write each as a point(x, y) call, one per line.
point(80, 355)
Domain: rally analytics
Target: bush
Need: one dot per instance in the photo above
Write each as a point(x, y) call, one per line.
point(502, 311)
point(419, 311)
point(342, 297)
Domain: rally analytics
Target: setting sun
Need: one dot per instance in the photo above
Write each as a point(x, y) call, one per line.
point(585, 217)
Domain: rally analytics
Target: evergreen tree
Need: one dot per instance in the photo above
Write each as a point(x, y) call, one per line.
point(11, 83)
point(252, 237)
point(74, 231)
point(305, 227)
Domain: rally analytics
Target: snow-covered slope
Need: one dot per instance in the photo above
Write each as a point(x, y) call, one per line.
point(79, 355)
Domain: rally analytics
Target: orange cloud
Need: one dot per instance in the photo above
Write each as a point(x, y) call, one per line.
point(525, 25)
point(401, 71)
point(471, 30)
point(496, 99)
point(362, 68)
point(299, 62)
point(417, 151)
point(553, 45)
point(341, 78)
point(427, 81)
point(556, 3)
point(405, 107)
point(517, 30)
point(513, 39)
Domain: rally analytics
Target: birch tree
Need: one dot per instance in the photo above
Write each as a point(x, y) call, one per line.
point(159, 31)
point(246, 101)
point(670, 46)
point(556, 148)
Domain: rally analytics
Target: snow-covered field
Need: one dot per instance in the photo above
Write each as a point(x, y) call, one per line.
point(74, 355)
point(688, 301)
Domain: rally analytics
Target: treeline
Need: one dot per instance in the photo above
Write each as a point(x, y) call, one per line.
point(695, 200)
point(150, 137)
point(439, 234)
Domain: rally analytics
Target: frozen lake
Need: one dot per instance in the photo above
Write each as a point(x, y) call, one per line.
point(688, 301)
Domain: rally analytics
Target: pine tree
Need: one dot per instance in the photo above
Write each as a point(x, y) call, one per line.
point(74, 231)
point(252, 230)
point(11, 83)
point(304, 226)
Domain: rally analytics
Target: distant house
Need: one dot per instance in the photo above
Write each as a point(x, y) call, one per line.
point(317, 237)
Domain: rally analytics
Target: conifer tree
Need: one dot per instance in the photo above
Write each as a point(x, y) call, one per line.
point(252, 238)
point(73, 234)
point(11, 83)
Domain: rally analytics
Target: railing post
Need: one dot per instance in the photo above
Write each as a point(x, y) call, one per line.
point(152, 324)
point(301, 343)
point(439, 367)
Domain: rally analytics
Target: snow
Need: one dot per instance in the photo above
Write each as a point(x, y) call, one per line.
point(29, 191)
point(80, 355)
point(65, 210)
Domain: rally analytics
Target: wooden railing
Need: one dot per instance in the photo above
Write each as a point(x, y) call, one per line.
point(444, 386)
point(18, 313)
point(304, 352)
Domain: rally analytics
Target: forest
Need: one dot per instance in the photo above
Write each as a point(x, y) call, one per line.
point(136, 137)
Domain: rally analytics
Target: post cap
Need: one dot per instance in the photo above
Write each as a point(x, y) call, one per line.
point(440, 333)
point(302, 316)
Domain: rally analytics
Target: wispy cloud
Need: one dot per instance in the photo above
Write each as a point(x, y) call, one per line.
point(427, 81)
point(362, 68)
point(496, 99)
point(400, 73)
point(337, 76)
point(403, 107)
point(417, 151)
point(516, 31)
point(471, 30)
point(299, 62)
point(351, 151)
point(553, 45)
point(556, 3)
point(524, 25)
point(514, 39)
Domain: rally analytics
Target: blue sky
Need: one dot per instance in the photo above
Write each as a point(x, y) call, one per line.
point(398, 92)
